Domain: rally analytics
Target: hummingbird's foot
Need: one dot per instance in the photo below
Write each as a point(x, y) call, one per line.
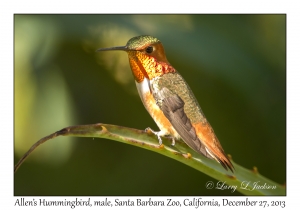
point(173, 142)
point(156, 133)
point(159, 139)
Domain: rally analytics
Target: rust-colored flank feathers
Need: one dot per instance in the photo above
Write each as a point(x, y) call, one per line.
point(169, 100)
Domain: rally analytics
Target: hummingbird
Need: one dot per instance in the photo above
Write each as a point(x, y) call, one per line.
point(169, 100)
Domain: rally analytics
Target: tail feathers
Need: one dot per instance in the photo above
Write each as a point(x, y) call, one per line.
point(212, 145)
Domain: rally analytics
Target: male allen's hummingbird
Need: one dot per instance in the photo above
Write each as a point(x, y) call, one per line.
point(169, 100)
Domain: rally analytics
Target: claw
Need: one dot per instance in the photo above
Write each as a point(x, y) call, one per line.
point(158, 134)
point(159, 139)
point(173, 142)
point(148, 129)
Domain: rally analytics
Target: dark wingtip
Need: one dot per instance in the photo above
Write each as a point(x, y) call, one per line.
point(230, 166)
point(227, 164)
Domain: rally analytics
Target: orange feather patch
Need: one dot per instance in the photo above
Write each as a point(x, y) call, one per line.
point(207, 136)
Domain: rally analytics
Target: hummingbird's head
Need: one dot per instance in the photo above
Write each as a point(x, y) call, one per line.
point(146, 57)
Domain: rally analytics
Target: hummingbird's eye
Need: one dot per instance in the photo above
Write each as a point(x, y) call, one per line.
point(149, 49)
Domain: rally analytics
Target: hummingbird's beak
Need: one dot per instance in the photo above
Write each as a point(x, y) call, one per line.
point(123, 48)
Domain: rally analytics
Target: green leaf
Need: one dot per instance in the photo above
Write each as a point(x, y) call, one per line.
point(245, 181)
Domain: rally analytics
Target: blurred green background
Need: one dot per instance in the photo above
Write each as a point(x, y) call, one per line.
point(235, 65)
